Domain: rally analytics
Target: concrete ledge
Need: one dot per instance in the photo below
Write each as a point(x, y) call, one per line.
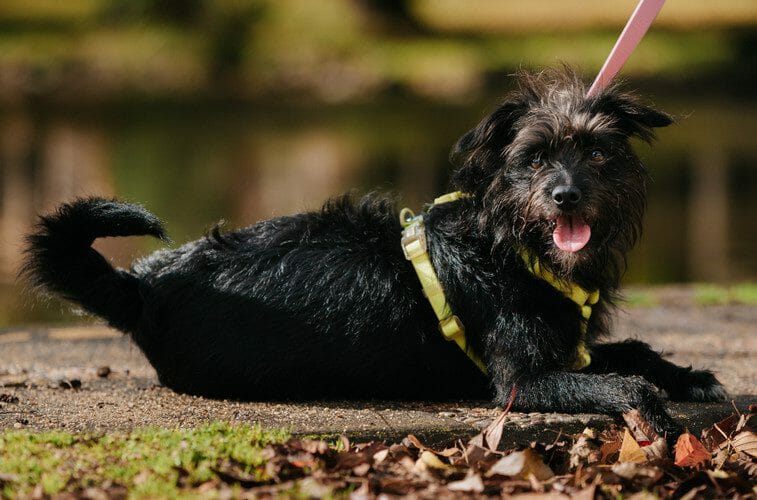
point(34, 361)
point(123, 402)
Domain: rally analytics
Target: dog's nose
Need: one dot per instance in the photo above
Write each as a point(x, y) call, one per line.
point(566, 196)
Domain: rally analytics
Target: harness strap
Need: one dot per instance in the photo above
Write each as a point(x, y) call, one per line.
point(414, 246)
point(416, 251)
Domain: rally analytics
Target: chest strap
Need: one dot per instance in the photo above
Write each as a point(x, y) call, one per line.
point(582, 298)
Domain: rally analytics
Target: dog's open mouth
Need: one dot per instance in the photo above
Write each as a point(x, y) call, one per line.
point(571, 233)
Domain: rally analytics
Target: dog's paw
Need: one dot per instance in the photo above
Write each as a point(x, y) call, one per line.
point(698, 385)
point(647, 399)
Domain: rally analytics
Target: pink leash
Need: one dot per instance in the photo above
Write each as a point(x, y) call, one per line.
point(632, 34)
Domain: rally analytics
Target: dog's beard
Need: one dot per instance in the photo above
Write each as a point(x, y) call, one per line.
point(562, 241)
point(592, 250)
point(565, 243)
point(602, 259)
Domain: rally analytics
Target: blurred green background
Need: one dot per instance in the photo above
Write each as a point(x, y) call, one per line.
point(245, 109)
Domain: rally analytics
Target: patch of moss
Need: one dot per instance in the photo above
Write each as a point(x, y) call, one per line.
point(148, 462)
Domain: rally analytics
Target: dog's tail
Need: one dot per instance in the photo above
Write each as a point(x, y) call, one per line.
point(59, 257)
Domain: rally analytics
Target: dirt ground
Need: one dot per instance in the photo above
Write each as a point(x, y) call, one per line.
point(92, 378)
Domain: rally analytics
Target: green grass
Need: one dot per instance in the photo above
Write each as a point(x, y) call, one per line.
point(639, 297)
point(147, 462)
point(711, 295)
point(702, 294)
point(743, 293)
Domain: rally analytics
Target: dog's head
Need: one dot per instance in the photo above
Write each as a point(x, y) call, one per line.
point(555, 174)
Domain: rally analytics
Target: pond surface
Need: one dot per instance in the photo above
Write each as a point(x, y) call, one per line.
point(193, 164)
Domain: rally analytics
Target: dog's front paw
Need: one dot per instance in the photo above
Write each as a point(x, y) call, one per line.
point(645, 398)
point(698, 385)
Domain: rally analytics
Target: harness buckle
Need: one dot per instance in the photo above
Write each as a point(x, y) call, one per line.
point(413, 241)
point(452, 328)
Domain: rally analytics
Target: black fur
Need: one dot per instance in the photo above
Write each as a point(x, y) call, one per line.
point(323, 304)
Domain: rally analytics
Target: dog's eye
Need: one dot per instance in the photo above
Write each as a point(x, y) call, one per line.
point(597, 156)
point(536, 161)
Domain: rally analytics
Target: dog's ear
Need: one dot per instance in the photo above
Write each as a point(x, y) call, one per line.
point(478, 153)
point(634, 118)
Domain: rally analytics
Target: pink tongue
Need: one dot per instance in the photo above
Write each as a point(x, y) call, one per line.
point(571, 233)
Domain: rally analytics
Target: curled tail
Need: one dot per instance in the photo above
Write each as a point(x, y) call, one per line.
point(60, 259)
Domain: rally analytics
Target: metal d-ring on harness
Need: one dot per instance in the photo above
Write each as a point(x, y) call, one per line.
point(416, 251)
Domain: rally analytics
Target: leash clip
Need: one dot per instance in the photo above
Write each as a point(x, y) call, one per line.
point(414, 240)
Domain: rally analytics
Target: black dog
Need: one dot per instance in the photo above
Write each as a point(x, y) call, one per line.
point(324, 304)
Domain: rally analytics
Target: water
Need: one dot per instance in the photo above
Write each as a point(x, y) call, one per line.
point(193, 164)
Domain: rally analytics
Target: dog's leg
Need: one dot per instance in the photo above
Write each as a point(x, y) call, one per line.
point(591, 393)
point(633, 357)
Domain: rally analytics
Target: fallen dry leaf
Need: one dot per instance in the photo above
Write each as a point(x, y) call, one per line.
point(491, 437)
point(630, 451)
point(232, 474)
point(745, 442)
point(398, 486)
point(471, 484)
point(657, 450)
point(380, 456)
point(640, 428)
point(690, 452)
point(448, 452)
point(630, 470)
point(652, 444)
point(362, 469)
point(521, 464)
point(718, 434)
point(585, 450)
point(429, 459)
point(411, 441)
point(312, 488)
point(476, 457)
point(608, 451)
point(553, 495)
point(398, 451)
point(745, 421)
point(748, 465)
point(493, 433)
point(310, 446)
point(718, 474)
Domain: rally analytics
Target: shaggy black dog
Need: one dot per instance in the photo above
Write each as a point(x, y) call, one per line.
point(324, 304)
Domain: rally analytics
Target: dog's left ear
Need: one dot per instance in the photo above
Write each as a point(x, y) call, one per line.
point(634, 118)
point(478, 153)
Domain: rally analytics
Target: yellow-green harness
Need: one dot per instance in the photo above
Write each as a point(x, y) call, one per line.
point(416, 251)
